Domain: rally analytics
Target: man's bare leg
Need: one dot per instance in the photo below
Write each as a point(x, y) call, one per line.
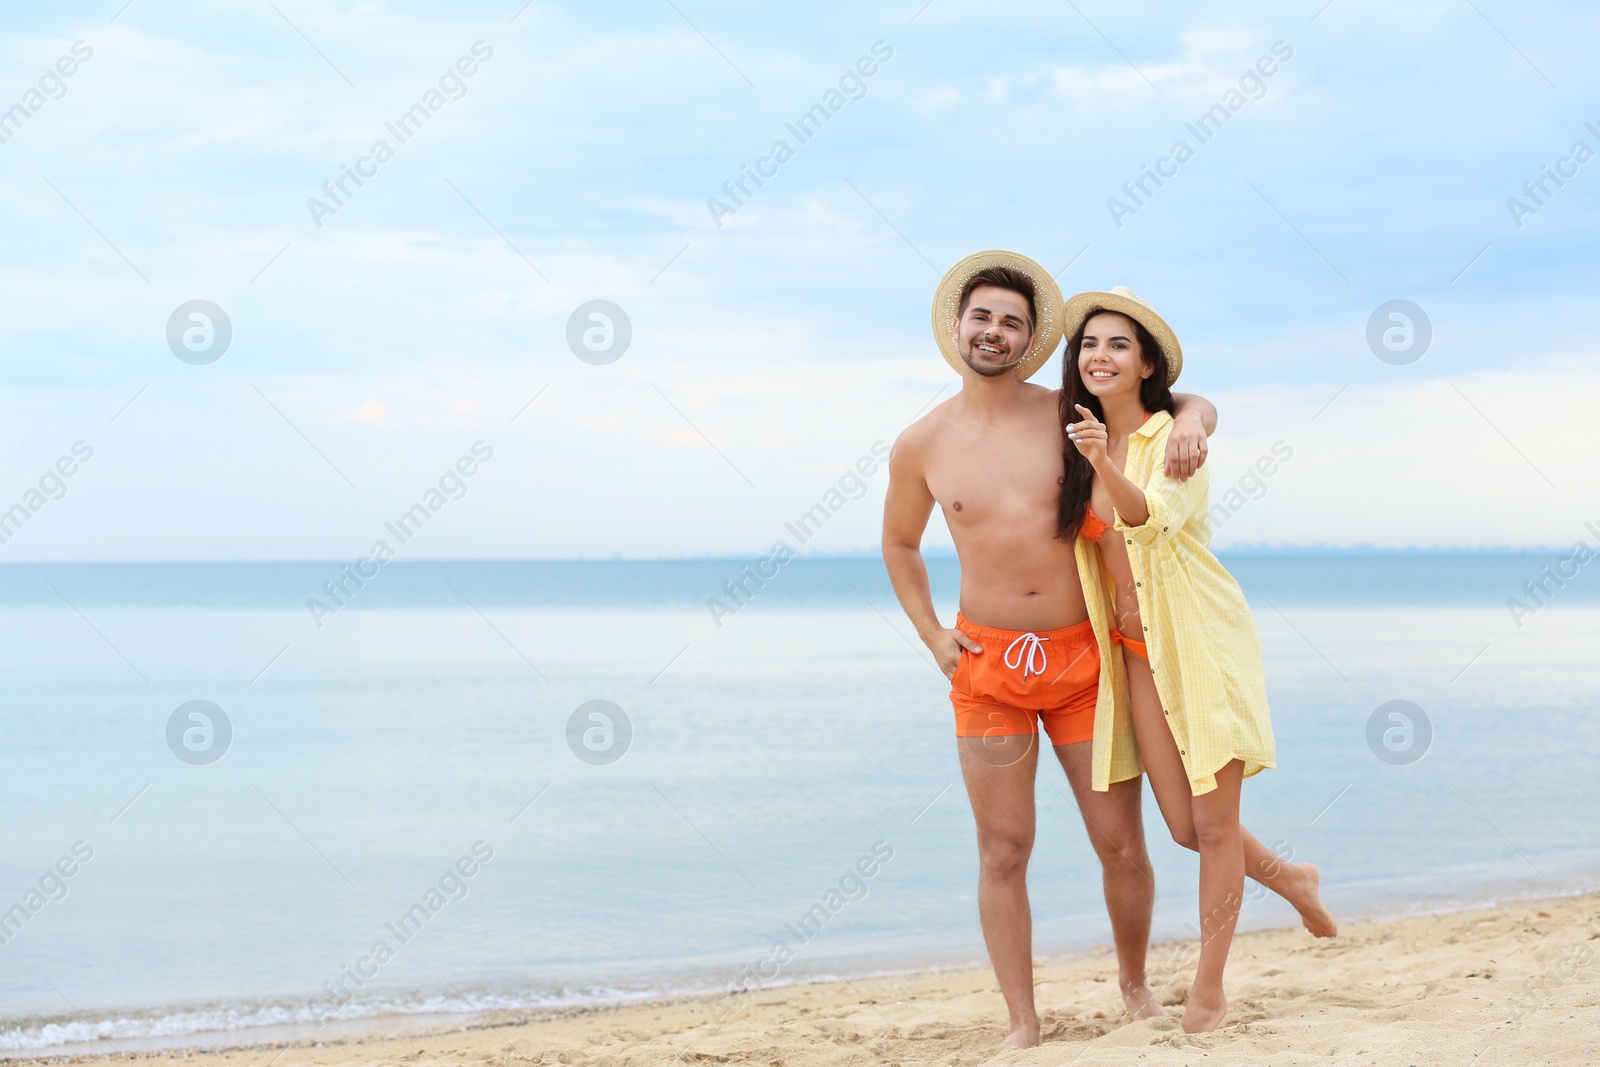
point(999, 773)
point(1116, 830)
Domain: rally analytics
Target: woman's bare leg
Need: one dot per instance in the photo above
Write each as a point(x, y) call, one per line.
point(1169, 780)
point(1216, 824)
point(1298, 883)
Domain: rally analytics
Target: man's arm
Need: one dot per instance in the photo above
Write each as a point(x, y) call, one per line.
point(906, 508)
point(1194, 419)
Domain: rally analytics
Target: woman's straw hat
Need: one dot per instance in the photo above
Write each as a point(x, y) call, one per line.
point(1121, 300)
point(1046, 302)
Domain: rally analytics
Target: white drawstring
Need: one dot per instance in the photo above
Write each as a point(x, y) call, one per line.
point(1032, 645)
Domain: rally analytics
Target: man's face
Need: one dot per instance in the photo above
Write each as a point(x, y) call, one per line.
point(994, 333)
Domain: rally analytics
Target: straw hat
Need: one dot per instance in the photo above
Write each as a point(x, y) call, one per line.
point(1046, 302)
point(1120, 299)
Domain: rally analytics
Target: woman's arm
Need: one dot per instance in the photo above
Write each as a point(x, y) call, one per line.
point(1088, 435)
point(1148, 515)
point(1129, 500)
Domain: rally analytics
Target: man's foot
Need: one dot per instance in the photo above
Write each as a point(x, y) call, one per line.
point(1023, 1035)
point(1141, 1002)
point(1204, 1013)
point(1317, 919)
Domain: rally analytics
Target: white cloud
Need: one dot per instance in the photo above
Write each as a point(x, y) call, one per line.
point(797, 334)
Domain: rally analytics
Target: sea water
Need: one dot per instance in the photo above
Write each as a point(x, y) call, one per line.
point(413, 764)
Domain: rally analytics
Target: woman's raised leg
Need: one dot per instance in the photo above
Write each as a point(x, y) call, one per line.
point(1298, 883)
point(1169, 780)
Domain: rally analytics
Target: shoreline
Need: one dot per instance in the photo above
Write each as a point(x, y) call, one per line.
point(1510, 976)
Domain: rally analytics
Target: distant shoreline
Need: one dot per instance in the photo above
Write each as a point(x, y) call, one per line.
point(1242, 551)
point(1417, 577)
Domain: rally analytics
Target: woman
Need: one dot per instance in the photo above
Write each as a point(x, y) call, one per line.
point(1189, 688)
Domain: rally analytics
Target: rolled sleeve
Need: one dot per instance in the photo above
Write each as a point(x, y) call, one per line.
point(1170, 504)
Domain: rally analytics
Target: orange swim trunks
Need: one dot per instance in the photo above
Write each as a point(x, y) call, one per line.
point(1021, 677)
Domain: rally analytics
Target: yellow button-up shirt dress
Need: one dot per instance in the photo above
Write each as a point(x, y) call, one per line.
point(1204, 652)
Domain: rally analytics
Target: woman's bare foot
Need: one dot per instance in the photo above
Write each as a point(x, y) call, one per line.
point(1023, 1035)
point(1141, 1002)
point(1205, 1013)
point(1317, 919)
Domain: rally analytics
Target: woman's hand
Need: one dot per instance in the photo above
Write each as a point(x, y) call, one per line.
point(1089, 435)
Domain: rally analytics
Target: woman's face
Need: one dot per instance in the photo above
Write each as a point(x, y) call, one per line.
point(1109, 360)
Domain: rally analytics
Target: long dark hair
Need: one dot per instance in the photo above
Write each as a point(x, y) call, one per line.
point(1153, 393)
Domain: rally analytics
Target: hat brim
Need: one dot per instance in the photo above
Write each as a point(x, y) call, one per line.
point(1047, 301)
point(1081, 306)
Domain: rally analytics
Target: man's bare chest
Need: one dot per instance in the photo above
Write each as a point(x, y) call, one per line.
point(1016, 477)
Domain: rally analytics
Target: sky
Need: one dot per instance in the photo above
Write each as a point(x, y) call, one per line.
point(381, 333)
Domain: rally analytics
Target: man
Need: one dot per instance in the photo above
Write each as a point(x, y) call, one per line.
point(1022, 648)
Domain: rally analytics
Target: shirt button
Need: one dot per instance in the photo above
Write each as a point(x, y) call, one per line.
point(1139, 584)
point(1147, 629)
point(1181, 752)
point(1130, 540)
point(1164, 711)
point(1163, 529)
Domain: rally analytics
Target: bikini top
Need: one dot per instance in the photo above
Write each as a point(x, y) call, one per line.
point(1092, 527)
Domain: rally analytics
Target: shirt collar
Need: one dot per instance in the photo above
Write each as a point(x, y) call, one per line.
point(1154, 423)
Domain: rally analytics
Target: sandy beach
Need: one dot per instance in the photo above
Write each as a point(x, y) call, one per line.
point(1513, 984)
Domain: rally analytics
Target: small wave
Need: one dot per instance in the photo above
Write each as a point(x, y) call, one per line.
point(32, 1034)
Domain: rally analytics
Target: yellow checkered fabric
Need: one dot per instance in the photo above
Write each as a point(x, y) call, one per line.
point(1204, 652)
